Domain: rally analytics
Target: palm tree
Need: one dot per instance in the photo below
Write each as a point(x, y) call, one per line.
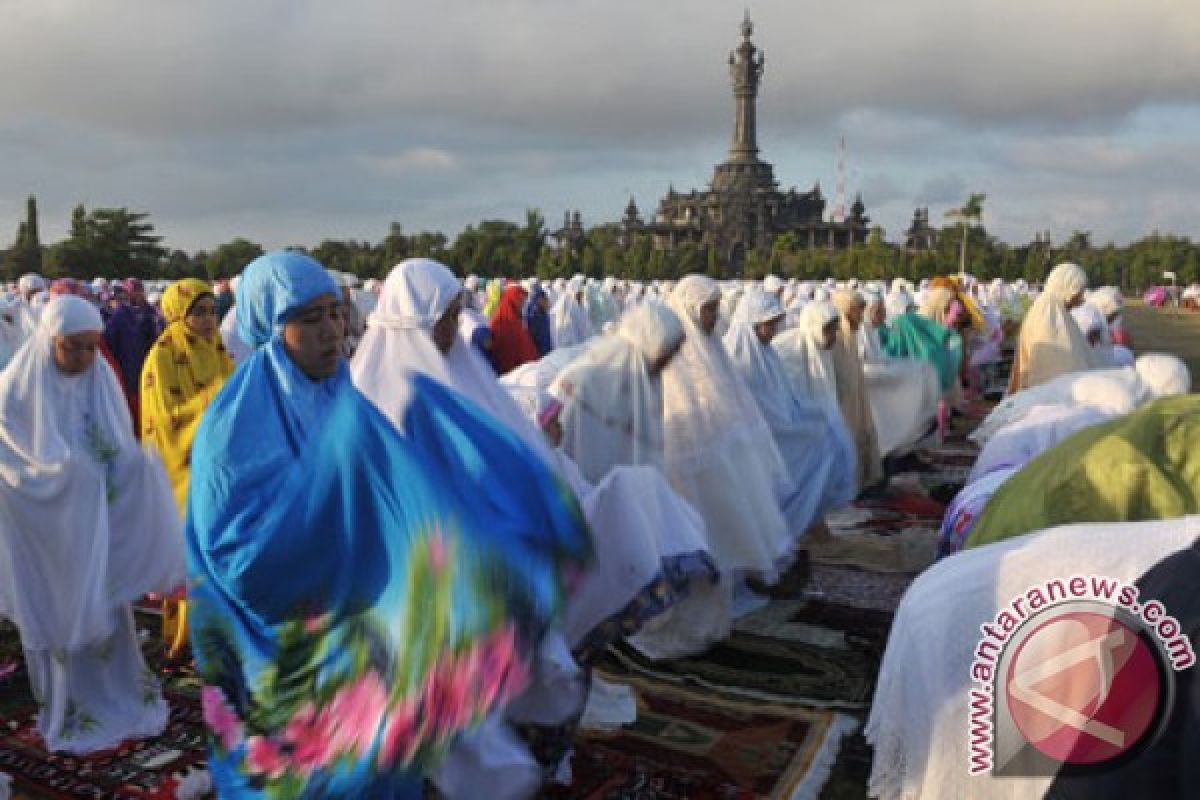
point(971, 212)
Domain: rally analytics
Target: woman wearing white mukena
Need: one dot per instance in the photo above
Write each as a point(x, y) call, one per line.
point(88, 524)
point(819, 454)
point(720, 455)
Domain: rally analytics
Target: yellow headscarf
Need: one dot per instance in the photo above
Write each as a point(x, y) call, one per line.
point(182, 374)
point(978, 322)
point(494, 292)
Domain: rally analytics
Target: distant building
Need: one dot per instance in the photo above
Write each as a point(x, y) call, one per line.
point(743, 209)
point(920, 236)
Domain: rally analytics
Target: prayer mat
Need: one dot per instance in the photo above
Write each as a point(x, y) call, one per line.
point(701, 745)
point(791, 664)
point(908, 503)
point(858, 588)
point(909, 550)
point(139, 770)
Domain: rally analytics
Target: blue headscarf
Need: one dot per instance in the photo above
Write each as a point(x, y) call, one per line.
point(353, 607)
point(273, 287)
point(537, 321)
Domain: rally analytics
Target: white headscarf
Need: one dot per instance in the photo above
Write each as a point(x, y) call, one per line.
point(869, 347)
point(569, 322)
point(815, 446)
point(88, 522)
point(399, 344)
point(612, 406)
point(720, 454)
point(808, 365)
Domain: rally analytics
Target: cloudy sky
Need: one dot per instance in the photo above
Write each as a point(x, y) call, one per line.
point(288, 121)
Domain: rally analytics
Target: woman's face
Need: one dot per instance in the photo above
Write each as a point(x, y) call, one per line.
point(543, 302)
point(74, 354)
point(1076, 300)
point(445, 330)
point(878, 315)
point(201, 318)
point(765, 331)
point(313, 337)
point(708, 315)
point(829, 334)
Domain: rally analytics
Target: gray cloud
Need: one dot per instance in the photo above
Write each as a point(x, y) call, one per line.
point(289, 120)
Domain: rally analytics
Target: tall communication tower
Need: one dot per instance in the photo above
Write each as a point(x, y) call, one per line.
point(839, 202)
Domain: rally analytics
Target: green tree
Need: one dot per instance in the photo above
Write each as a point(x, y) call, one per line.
point(970, 214)
point(26, 253)
point(231, 258)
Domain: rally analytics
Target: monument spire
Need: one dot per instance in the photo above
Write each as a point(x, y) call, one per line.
point(746, 68)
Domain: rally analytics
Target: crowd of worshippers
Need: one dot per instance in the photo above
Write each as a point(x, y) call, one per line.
point(396, 525)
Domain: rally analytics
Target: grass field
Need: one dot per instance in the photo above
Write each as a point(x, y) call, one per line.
point(1165, 330)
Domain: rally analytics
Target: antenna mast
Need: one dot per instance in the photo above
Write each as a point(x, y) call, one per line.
point(839, 203)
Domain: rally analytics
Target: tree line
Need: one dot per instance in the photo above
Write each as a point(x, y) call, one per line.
point(118, 242)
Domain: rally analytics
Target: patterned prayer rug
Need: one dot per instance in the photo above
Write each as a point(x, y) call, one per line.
point(701, 745)
point(858, 588)
point(140, 770)
point(796, 664)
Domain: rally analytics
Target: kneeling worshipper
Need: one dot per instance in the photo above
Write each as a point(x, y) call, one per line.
point(820, 457)
point(1095, 330)
point(852, 388)
point(937, 655)
point(807, 361)
point(1035, 420)
point(87, 527)
point(903, 392)
point(1005, 455)
point(928, 334)
point(359, 599)
point(612, 395)
point(651, 552)
point(1141, 466)
point(1110, 302)
point(1114, 391)
point(720, 455)
point(1050, 343)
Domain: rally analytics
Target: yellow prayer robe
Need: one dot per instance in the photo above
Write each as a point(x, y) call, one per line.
point(182, 374)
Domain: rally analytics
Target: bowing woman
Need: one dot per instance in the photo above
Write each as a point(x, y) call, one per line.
point(354, 609)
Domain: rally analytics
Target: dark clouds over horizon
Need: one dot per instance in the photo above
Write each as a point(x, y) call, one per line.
point(289, 121)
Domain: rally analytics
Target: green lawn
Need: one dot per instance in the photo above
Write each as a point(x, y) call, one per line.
point(1166, 330)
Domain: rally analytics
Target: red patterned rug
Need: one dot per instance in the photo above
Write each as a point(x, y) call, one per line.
point(701, 745)
point(143, 770)
point(140, 770)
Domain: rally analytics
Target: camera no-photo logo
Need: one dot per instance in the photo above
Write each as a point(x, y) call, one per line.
point(1072, 674)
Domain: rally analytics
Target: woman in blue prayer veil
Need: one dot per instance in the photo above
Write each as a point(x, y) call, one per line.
point(354, 611)
point(537, 319)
